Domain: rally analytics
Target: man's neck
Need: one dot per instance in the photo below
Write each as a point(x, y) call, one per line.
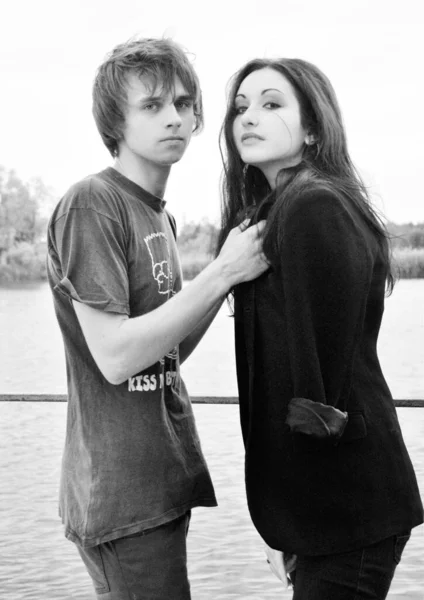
point(150, 176)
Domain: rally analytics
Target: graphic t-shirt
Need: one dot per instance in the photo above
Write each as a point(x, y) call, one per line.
point(132, 458)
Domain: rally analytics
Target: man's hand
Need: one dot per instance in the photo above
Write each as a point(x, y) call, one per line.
point(241, 257)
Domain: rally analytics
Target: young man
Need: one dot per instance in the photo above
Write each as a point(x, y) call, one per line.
point(132, 467)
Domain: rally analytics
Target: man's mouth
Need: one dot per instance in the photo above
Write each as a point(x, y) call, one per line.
point(173, 138)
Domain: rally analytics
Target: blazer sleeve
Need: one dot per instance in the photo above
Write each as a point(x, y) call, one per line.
point(325, 267)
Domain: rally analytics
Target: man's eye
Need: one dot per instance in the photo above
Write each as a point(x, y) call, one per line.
point(151, 107)
point(184, 104)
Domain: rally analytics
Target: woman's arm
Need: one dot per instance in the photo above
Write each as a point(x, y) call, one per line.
point(325, 268)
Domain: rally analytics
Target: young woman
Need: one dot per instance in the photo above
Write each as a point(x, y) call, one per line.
point(328, 477)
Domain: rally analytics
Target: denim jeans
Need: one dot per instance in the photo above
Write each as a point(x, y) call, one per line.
point(364, 574)
point(151, 565)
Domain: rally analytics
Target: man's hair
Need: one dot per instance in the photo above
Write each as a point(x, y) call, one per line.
point(160, 61)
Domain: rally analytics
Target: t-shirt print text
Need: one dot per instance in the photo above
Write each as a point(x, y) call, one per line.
point(150, 383)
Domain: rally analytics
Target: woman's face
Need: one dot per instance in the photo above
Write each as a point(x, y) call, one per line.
point(267, 128)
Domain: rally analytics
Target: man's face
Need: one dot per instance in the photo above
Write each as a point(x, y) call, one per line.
point(158, 125)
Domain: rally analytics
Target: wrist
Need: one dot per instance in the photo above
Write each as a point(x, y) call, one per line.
point(220, 276)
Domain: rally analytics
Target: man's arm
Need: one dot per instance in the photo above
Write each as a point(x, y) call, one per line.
point(123, 347)
point(191, 341)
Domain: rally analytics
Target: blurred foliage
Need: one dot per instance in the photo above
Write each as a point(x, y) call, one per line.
point(408, 262)
point(407, 235)
point(24, 211)
point(196, 244)
point(25, 263)
point(198, 238)
point(26, 206)
point(193, 264)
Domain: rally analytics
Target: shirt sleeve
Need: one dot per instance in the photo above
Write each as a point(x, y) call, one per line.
point(88, 258)
point(325, 271)
point(172, 223)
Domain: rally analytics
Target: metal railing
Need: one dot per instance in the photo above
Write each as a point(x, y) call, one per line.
point(400, 403)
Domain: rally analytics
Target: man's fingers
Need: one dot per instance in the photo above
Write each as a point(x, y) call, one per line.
point(244, 224)
point(259, 226)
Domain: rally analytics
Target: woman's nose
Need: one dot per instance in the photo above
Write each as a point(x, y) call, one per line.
point(250, 117)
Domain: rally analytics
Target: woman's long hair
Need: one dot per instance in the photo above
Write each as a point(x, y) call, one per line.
point(325, 164)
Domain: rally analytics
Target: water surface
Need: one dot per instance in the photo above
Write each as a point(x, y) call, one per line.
point(226, 560)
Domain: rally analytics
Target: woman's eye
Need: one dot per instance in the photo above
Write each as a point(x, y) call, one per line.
point(239, 110)
point(272, 105)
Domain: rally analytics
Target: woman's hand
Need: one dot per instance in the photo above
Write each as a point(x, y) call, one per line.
point(280, 564)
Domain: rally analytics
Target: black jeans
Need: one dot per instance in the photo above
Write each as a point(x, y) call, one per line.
point(364, 574)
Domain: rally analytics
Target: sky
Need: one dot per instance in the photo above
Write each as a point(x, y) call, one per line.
point(371, 50)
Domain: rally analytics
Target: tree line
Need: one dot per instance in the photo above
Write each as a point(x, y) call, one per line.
point(25, 207)
point(194, 236)
point(24, 212)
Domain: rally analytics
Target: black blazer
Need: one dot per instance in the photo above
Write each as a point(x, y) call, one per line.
point(308, 328)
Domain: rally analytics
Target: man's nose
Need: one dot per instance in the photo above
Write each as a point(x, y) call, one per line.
point(173, 117)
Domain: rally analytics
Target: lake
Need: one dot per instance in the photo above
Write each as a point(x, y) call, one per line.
point(226, 560)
